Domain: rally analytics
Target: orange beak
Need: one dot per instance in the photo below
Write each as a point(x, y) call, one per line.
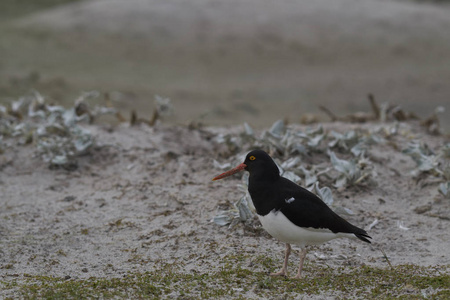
point(239, 168)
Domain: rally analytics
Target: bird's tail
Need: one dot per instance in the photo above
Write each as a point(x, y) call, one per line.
point(363, 236)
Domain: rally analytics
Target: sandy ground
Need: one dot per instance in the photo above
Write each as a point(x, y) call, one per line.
point(144, 196)
point(223, 62)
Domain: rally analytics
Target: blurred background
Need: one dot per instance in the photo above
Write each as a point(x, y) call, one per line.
point(226, 62)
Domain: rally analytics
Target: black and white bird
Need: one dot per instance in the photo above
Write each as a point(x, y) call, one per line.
point(289, 212)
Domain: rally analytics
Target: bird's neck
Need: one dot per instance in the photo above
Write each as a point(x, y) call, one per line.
point(261, 191)
point(263, 178)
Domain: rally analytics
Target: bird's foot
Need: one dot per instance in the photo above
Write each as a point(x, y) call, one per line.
point(298, 276)
point(282, 272)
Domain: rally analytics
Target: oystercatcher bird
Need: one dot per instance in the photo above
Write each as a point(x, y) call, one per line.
point(289, 212)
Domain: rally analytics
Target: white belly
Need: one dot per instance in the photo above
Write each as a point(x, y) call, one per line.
point(278, 226)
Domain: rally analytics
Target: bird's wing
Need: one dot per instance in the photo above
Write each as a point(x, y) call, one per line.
point(305, 209)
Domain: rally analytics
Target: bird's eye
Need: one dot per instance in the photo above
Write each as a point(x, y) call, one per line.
point(252, 157)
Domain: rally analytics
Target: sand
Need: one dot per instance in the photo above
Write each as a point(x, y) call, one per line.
point(144, 196)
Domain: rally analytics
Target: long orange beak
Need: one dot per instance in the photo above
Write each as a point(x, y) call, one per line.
point(239, 168)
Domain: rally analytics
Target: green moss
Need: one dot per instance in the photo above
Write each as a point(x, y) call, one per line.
point(236, 280)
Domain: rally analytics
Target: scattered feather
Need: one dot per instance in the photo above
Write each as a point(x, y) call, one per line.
point(401, 226)
point(372, 225)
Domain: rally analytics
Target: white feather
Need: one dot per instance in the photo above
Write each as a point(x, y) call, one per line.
point(278, 226)
point(290, 200)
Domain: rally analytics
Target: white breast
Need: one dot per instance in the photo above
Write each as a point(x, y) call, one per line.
point(278, 226)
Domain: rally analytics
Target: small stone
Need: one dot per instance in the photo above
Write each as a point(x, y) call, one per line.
point(69, 198)
point(85, 270)
point(67, 277)
point(422, 209)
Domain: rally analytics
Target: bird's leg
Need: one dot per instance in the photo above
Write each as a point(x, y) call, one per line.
point(283, 271)
point(300, 267)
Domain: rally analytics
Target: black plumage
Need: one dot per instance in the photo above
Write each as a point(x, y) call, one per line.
point(305, 219)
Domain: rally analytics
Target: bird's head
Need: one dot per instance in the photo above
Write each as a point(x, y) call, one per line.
point(258, 163)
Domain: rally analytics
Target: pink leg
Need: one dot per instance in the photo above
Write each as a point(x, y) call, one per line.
point(300, 267)
point(283, 271)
